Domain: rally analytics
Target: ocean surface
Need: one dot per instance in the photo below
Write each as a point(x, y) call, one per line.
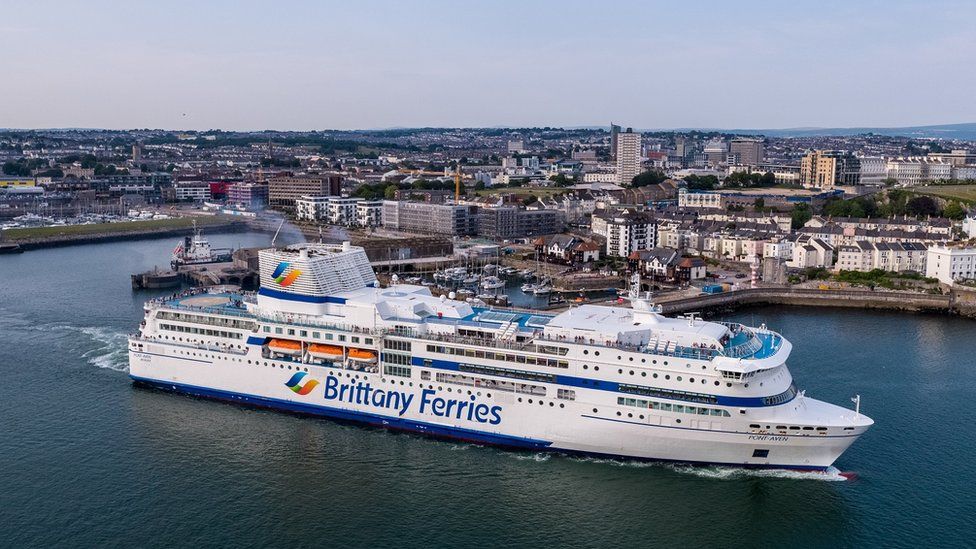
point(88, 460)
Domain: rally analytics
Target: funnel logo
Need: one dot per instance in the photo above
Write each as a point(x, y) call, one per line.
point(281, 278)
point(295, 384)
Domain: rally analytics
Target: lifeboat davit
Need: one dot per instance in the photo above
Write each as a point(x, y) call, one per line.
point(362, 355)
point(285, 347)
point(328, 352)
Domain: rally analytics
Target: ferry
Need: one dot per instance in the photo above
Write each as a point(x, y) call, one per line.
point(321, 337)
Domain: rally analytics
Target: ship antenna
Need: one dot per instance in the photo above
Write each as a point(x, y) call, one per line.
point(275, 237)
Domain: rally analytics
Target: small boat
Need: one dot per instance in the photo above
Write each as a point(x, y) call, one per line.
point(328, 352)
point(528, 288)
point(542, 290)
point(492, 283)
point(285, 347)
point(362, 355)
point(465, 291)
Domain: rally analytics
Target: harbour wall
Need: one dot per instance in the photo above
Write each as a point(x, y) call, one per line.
point(54, 241)
point(957, 301)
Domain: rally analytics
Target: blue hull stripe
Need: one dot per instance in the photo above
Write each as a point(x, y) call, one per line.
point(352, 415)
point(611, 386)
point(288, 296)
point(251, 340)
point(429, 429)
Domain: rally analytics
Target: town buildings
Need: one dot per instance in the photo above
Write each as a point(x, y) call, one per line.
point(283, 191)
point(628, 156)
point(951, 264)
point(426, 218)
point(888, 256)
point(747, 151)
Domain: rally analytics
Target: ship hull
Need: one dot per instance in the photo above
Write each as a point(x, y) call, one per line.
point(549, 425)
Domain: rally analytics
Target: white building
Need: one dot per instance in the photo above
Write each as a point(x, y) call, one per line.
point(911, 171)
point(192, 190)
point(311, 208)
point(628, 156)
point(969, 225)
point(811, 252)
point(629, 231)
point(690, 199)
point(341, 211)
point(369, 213)
point(951, 264)
point(873, 170)
point(888, 256)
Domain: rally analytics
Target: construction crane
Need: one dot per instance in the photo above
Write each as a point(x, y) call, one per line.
point(457, 184)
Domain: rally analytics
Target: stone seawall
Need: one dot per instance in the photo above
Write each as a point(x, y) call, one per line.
point(55, 241)
point(962, 303)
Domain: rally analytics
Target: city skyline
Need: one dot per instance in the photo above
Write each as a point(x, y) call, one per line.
point(305, 66)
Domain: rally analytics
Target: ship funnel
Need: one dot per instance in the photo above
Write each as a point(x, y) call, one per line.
point(303, 253)
point(346, 245)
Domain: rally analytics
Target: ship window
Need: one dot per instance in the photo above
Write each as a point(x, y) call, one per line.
point(328, 336)
point(342, 337)
point(355, 339)
point(278, 330)
point(291, 332)
point(303, 333)
point(758, 453)
point(317, 335)
point(267, 329)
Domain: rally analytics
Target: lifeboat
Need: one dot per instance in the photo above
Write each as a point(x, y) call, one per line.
point(285, 346)
point(327, 352)
point(362, 355)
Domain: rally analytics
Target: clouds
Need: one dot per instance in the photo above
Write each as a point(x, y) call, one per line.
point(306, 65)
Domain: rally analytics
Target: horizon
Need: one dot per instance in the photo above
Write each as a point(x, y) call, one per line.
point(308, 65)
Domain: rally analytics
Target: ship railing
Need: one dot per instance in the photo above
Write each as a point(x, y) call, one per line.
point(657, 347)
point(200, 346)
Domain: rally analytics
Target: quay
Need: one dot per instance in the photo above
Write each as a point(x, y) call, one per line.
point(958, 301)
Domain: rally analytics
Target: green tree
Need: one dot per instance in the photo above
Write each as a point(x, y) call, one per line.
point(922, 205)
point(759, 204)
point(954, 210)
point(650, 177)
point(390, 192)
point(801, 214)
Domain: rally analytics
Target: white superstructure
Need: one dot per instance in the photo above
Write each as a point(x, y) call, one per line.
point(322, 337)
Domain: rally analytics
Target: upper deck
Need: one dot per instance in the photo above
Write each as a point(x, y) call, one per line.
point(517, 329)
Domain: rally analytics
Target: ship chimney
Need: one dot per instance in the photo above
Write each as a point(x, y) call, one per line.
point(303, 253)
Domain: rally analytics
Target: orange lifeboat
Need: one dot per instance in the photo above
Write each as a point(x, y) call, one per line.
point(362, 355)
point(328, 352)
point(285, 346)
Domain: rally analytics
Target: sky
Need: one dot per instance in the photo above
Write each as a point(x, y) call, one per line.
point(357, 64)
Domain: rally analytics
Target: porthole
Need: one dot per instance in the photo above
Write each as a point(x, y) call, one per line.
point(530, 401)
point(596, 368)
point(585, 367)
point(677, 421)
point(631, 372)
point(717, 384)
point(643, 374)
point(594, 410)
point(678, 378)
point(667, 377)
point(520, 399)
point(631, 359)
point(619, 357)
point(552, 404)
point(619, 414)
point(586, 352)
point(643, 361)
point(691, 380)
point(642, 416)
point(665, 362)
point(630, 414)
point(597, 353)
point(653, 362)
point(561, 405)
point(654, 376)
point(620, 371)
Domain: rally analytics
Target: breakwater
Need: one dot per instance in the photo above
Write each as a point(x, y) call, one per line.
point(958, 301)
point(71, 239)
